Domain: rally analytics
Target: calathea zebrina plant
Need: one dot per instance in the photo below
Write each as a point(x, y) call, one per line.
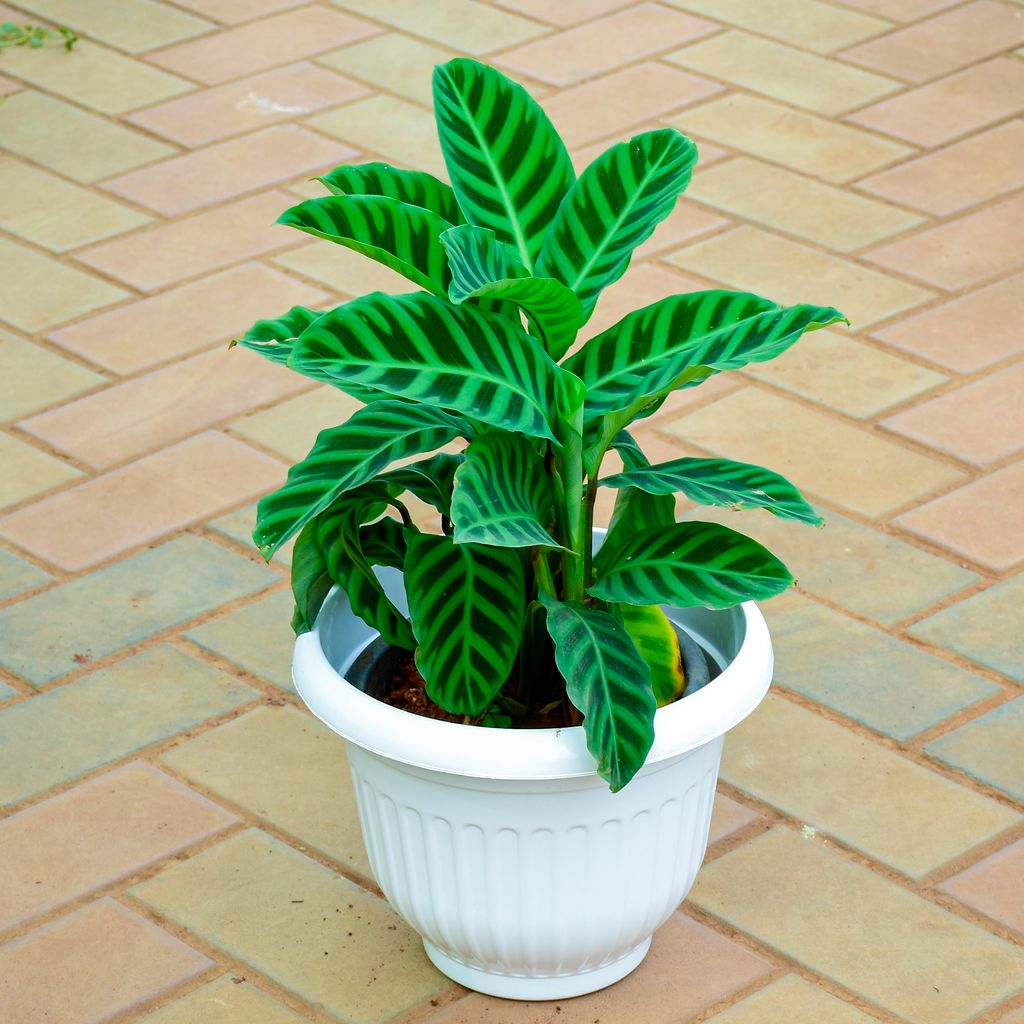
point(509, 263)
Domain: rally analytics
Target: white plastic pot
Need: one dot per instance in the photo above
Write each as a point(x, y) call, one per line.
point(526, 877)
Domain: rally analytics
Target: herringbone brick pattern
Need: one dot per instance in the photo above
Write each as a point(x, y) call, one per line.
point(177, 840)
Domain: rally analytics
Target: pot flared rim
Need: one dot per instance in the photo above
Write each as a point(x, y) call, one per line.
point(529, 754)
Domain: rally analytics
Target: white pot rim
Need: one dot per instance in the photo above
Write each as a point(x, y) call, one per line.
point(534, 754)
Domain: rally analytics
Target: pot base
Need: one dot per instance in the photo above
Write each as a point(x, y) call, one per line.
point(509, 986)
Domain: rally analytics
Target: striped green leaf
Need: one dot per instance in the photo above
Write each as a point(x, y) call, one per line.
point(351, 549)
point(656, 640)
point(608, 680)
point(402, 237)
point(431, 480)
point(425, 349)
point(615, 205)
point(503, 495)
point(417, 188)
point(311, 581)
point(651, 351)
point(636, 509)
point(736, 485)
point(345, 457)
point(483, 267)
point(509, 168)
point(688, 565)
point(467, 603)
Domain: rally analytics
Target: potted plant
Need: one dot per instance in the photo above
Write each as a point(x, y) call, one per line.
point(554, 811)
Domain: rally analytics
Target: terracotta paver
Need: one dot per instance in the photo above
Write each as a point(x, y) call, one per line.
point(858, 153)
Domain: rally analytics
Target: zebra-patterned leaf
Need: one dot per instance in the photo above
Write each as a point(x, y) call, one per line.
point(635, 509)
point(402, 237)
point(656, 640)
point(345, 457)
point(650, 351)
point(417, 188)
point(311, 581)
point(425, 349)
point(736, 485)
point(509, 168)
point(614, 207)
point(502, 494)
point(689, 565)
point(467, 603)
point(431, 480)
point(609, 682)
point(483, 267)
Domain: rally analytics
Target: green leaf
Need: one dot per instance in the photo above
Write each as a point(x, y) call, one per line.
point(635, 509)
point(311, 581)
point(345, 457)
point(467, 603)
point(425, 349)
point(656, 640)
point(609, 682)
point(431, 480)
point(688, 565)
point(417, 188)
point(402, 237)
point(651, 351)
point(735, 485)
point(483, 267)
point(502, 494)
point(614, 207)
point(509, 168)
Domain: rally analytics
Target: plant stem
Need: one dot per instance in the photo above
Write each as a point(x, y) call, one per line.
point(402, 511)
point(545, 581)
point(570, 462)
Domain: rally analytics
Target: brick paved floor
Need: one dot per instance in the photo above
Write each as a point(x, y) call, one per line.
point(177, 840)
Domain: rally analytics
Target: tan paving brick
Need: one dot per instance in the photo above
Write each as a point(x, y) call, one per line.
point(142, 25)
point(309, 793)
point(968, 333)
point(579, 53)
point(961, 252)
point(142, 501)
point(613, 104)
point(238, 526)
point(104, 829)
point(263, 44)
point(845, 465)
point(290, 427)
point(793, 76)
point(163, 406)
point(231, 11)
point(952, 179)
point(944, 43)
point(9, 85)
point(196, 245)
point(795, 1001)
point(980, 521)
point(177, 322)
point(40, 292)
point(249, 103)
point(992, 886)
point(72, 141)
point(402, 132)
point(28, 471)
point(688, 968)
point(845, 374)
point(108, 959)
point(805, 142)
point(902, 10)
point(980, 422)
point(838, 219)
point(32, 377)
point(786, 271)
point(227, 169)
point(566, 12)
point(341, 269)
point(950, 107)
point(94, 76)
point(809, 24)
point(858, 791)
point(469, 27)
point(228, 1000)
point(55, 214)
point(728, 817)
point(301, 925)
point(686, 222)
point(867, 933)
point(392, 61)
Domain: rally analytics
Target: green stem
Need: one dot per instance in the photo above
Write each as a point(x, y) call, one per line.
point(545, 581)
point(570, 464)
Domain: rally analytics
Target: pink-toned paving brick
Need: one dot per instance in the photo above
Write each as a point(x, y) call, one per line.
point(993, 886)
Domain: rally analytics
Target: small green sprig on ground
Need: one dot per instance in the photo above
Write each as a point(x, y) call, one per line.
point(34, 36)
